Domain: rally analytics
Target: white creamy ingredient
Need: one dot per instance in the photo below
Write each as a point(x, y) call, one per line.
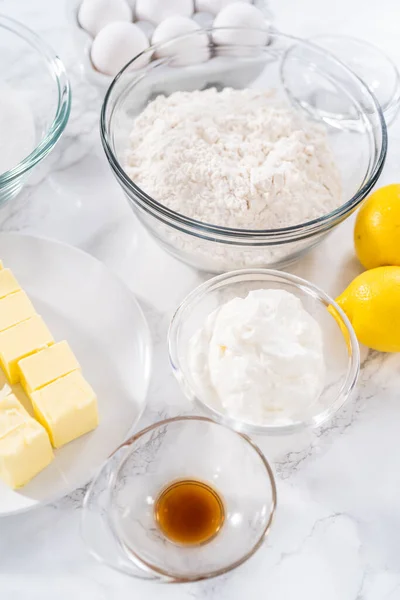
point(260, 357)
point(17, 128)
point(235, 158)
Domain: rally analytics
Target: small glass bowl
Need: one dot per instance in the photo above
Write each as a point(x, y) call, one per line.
point(118, 522)
point(37, 76)
point(341, 350)
point(372, 65)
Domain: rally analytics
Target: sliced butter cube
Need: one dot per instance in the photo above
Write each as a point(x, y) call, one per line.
point(8, 283)
point(20, 341)
point(45, 366)
point(67, 408)
point(25, 448)
point(14, 309)
point(12, 415)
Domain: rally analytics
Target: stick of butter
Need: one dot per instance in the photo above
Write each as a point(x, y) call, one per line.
point(8, 283)
point(25, 448)
point(45, 366)
point(67, 408)
point(20, 341)
point(14, 309)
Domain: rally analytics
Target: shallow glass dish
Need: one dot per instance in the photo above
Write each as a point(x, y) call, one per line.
point(312, 81)
point(372, 65)
point(119, 524)
point(341, 350)
point(37, 77)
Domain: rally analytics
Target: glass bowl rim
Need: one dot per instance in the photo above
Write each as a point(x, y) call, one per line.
point(167, 575)
point(313, 291)
point(180, 221)
point(391, 107)
point(63, 109)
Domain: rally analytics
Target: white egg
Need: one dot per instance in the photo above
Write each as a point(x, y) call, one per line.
point(244, 16)
point(187, 51)
point(93, 15)
point(214, 6)
point(158, 10)
point(116, 45)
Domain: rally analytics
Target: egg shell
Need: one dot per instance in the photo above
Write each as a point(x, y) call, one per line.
point(187, 51)
point(93, 15)
point(156, 11)
point(241, 15)
point(115, 45)
point(215, 6)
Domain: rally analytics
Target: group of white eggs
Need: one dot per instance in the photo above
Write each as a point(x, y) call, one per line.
point(122, 29)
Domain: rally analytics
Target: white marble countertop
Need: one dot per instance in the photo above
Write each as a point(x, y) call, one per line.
point(336, 536)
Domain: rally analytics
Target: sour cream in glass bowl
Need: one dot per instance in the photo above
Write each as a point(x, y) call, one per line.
point(286, 366)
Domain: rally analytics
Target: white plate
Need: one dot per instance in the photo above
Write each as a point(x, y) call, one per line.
point(83, 302)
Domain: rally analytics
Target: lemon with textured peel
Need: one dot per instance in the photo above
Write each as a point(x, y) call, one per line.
point(372, 305)
point(377, 228)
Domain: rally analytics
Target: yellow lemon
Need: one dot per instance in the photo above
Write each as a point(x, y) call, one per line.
point(377, 229)
point(372, 305)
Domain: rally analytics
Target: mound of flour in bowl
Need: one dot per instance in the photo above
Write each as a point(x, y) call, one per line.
point(236, 158)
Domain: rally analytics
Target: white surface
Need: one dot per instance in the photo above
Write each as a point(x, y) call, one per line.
point(81, 301)
point(336, 536)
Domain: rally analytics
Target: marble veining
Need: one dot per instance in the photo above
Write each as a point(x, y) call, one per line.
point(336, 534)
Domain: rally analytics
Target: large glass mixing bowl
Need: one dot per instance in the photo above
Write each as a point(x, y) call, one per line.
point(315, 84)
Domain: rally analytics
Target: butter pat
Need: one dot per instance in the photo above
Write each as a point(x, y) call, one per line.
point(14, 309)
point(8, 283)
point(46, 366)
point(12, 415)
point(67, 408)
point(20, 341)
point(25, 448)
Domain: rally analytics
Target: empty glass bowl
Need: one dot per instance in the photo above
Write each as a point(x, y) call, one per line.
point(372, 65)
point(34, 78)
point(311, 80)
point(341, 350)
point(119, 524)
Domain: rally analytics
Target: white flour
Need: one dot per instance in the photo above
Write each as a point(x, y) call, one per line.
point(236, 158)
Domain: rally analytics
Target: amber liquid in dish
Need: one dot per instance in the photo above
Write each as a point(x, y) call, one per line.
point(189, 512)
